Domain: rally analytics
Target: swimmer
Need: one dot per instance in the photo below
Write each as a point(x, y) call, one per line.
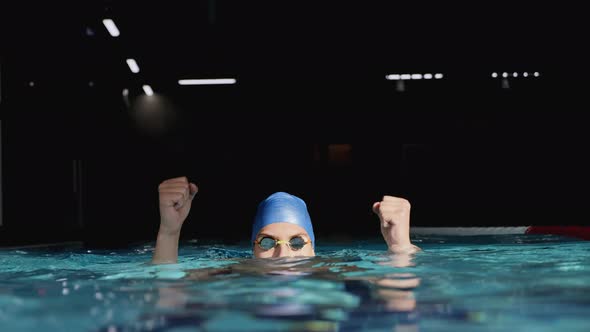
point(282, 226)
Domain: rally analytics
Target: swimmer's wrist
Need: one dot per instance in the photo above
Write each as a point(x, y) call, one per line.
point(168, 234)
point(168, 231)
point(166, 250)
point(396, 236)
point(398, 240)
point(403, 249)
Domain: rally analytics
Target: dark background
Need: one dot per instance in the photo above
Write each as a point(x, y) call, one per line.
point(311, 114)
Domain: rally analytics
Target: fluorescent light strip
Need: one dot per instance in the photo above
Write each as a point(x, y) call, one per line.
point(133, 66)
point(403, 77)
point(148, 90)
point(213, 81)
point(111, 27)
point(516, 74)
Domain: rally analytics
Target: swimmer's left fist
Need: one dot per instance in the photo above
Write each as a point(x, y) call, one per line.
point(394, 215)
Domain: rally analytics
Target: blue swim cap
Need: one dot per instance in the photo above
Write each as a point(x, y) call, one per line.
point(282, 207)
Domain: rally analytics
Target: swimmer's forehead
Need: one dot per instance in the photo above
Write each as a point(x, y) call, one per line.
point(283, 229)
point(275, 236)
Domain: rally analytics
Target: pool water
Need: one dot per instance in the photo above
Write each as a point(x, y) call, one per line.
point(482, 283)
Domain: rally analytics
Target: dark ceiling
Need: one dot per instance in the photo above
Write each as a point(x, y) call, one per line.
point(308, 73)
point(293, 44)
point(304, 56)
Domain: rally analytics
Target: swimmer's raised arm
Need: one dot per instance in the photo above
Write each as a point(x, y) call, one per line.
point(394, 215)
point(175, 197)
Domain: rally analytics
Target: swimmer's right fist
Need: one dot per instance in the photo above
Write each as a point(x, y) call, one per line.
point(175, 196)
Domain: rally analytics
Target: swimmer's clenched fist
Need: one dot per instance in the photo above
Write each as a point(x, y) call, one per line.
point(394, 215)
point(175, 196)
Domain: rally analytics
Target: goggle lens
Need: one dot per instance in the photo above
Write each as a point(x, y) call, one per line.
point(297, 243)
point(267, 243)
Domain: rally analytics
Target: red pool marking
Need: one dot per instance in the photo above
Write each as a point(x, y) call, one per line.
point(582, 232)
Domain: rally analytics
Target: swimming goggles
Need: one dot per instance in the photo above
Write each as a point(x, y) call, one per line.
point(267, 243)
